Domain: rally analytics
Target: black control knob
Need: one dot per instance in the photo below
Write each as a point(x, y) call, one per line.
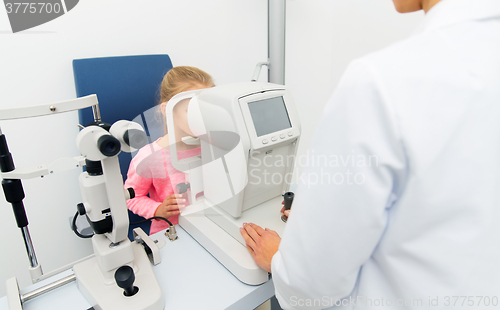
point(288, 199)
point(125, 277)
point(131, 193)
point(81, 209)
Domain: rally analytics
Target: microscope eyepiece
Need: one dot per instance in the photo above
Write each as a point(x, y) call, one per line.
point(135, 138)
point(108, 145)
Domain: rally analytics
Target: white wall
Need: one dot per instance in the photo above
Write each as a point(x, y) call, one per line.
point(323, 37)
point(224, 37)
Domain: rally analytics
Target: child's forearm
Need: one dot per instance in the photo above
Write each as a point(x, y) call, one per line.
point(143, 206)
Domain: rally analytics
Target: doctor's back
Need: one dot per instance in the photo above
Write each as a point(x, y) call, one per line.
point(420, 226)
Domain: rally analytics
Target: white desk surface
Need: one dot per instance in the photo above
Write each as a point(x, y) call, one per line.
point(190, 278)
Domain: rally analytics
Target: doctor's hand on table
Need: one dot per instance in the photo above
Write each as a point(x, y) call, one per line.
point(261, 243)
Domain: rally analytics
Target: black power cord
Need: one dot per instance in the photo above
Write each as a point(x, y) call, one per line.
point(75, 229)
point(153, 218)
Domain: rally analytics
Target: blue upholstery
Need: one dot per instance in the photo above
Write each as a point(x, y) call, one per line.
point(126, 86)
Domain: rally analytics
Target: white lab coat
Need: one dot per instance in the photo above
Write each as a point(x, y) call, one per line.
point(406, 208)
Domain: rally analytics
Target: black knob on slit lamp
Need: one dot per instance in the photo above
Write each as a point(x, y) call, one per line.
point(81, 209)
point(131, 193)
point(125, 277)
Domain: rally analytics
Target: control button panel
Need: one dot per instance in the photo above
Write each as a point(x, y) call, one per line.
point(276, 138)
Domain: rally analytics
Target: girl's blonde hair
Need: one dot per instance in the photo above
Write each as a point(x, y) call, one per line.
point(181, 78)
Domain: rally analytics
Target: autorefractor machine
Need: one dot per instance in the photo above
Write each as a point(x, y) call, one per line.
point(248, 134)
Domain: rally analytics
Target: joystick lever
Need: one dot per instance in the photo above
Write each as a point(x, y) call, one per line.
point(125, 278)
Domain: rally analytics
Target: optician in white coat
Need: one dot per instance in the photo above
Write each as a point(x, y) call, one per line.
point(419, 225)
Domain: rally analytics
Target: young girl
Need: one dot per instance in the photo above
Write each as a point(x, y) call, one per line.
point(151, 171)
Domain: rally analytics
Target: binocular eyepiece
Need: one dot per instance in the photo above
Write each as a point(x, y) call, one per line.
point(135, 138)
point(108, 145)
point(99, 140)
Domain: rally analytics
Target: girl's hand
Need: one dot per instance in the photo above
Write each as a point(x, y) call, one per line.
point(170, 206)
point(287, 212)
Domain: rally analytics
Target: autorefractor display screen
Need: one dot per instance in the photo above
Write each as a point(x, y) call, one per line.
point(269, 115)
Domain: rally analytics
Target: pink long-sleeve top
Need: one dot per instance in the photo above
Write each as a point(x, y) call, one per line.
point(151, 172)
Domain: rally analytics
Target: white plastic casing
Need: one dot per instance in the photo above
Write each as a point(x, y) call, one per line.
point(86, 141)
point(230, 147)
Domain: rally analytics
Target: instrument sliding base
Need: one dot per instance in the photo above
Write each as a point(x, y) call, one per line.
point(103, 294)
point(229, 251)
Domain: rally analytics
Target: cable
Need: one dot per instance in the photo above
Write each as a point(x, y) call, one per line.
point(171, 233)
point(153, 218)
point(75, 229)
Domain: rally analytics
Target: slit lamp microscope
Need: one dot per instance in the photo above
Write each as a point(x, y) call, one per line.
point(119, 275)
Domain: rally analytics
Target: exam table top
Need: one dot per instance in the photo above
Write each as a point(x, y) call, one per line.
point(189, 276)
